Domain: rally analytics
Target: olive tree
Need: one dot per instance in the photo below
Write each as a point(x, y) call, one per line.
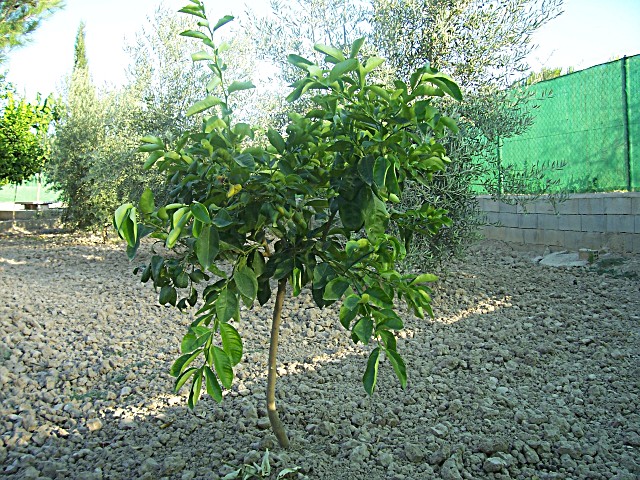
point(307, 207)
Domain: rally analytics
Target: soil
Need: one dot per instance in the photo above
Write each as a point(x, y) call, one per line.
point(527, 372)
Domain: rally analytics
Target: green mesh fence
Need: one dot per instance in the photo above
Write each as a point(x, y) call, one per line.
point(591, 124)
point(28, 192)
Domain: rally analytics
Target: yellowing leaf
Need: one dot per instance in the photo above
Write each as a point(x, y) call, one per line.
point(233, 189)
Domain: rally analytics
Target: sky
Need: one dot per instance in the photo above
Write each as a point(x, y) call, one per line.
point(589, 32)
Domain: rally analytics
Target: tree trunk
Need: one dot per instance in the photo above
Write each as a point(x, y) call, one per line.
point(276, 424)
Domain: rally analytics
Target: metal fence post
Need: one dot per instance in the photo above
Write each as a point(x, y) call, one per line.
point(499, 154)
point(625, 121)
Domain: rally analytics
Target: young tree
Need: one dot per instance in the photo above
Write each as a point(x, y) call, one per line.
point(24, 137)
point(19, 18)
point(79, 132)
point(310, 209)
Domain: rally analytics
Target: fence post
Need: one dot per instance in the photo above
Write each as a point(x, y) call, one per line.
point(625, 121)
point(499, 155)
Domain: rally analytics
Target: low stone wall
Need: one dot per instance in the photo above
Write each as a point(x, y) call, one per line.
point(29, 220)
point(595, 220)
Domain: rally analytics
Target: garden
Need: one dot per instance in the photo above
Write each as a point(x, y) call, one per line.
point(250, 295)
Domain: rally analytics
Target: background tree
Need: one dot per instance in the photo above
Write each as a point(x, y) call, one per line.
point(20, 18)
point(484, 45)
point(80, 61)
point(546, 73)
point(79, 132)
point(24, 137)
point(96, 164)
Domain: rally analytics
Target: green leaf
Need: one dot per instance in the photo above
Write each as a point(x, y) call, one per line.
point(372, 63)
point(213, 387)
point(194, 340)
point(391, 322)
point(201, 213)
point(276, 140)
point(376, 219)
point(207, 246)
point(245, 160)
point(222, 219)
point(322, 274)
point(126, 224)
point(223, 366)
point(351, 215)
point(182, 379)
point(194, 34)
point(226, 305)
point(150, 147)
point(283, 268)
point(347, 315)
point(398, 366)
point(258, 263)
point(192, 10)
point(223, 21)
point(231, 342)
point(168, 294)
point(152, 159)
point(363, 329)
point(328, 50)
point(238, 86)
point(424, 278)
point(183, 362)
point(370, 377)
point(388, 339)
point(194, 394)
point(203, 105)
point(380, 168)
point(202, 55)
point(246, 282)
point(343, 67)
point(450, 124)
point(365, 169)
point(355, 47)
point(336, 288)
point(298, 61)
point(147, 204)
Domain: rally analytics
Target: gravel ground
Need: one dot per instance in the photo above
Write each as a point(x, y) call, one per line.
point(527, 372)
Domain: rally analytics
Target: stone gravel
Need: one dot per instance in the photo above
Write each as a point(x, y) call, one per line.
point(526, 372)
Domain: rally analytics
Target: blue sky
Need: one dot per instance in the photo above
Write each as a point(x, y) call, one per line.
point(589, 32)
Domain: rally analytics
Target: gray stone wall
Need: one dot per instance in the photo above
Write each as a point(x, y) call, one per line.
point(594, 220)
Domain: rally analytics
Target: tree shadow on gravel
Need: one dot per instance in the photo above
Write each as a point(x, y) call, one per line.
point(518, 376)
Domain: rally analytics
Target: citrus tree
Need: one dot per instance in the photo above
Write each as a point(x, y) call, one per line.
point(24, 140)
point(307, 207)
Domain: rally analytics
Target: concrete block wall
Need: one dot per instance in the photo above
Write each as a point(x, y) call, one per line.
point(592, 220)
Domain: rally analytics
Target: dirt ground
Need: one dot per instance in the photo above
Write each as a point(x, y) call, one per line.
point(527, 372)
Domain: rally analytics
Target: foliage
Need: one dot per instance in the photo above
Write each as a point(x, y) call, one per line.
point(79, 132)
point(24, 142)
point(96, 165)
point(546, 74)
point(296, 26)
point(19, 19)
point(311, 209)
point(484, 46)
point(80, 61)
point(247, 472)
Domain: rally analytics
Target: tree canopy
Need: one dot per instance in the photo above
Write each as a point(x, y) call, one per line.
point(19, 19)
point(24, 146)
